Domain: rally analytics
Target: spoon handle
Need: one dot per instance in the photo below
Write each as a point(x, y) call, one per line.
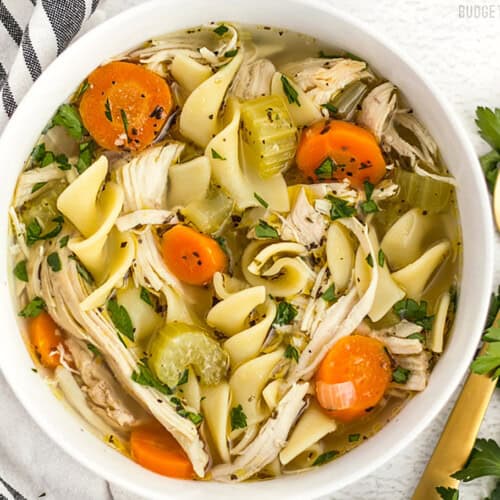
point(458, 437)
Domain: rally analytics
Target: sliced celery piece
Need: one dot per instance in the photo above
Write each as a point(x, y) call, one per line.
point(423, 192)
point(267, 127)
point(209, 213)
point(346, 102)
point(43, 207)
point(178, 345)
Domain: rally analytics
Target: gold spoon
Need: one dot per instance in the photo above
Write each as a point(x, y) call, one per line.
point(459, 435)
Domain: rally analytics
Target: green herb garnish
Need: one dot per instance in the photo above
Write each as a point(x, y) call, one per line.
point(330, 107)
point(329, 294)
point(264, 230)
point(93, 349)
point(417, 336)
point(107, 111)
point(121, 319)
point(400, 375)
point(86, 156)
point(412, 311)
point(326, 457)
point(326, 169)
point(447, 493)
point(67, 116)
point(238, 418)
point(34, 308)
point(34, 230)
point(354, 437)
point(263, 202)
point(216, 155)
point(221, 30)
point(184, 377)
point(381, 258)
point(369, 260)
point(146, 296)
point(64, 241)
point(340, 208)
point(37, 186)
point(20, 271)
point(291, 94)
point(54, 262)
point(231, 53)
point(285, 314)
point(292, 353)
point(483, 461)
point(124, 118)
point(144, 376)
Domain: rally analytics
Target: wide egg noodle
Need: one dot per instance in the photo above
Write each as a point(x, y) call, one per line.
point(199, 120)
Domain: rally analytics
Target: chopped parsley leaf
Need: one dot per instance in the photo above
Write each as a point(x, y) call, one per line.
point(54, 262)
point(124, 118)
point(264, 230)
point(93, 349)
point(412, 311)
point(67, 116)
point(107, 111)
point(291, 94)
point(37, 186)
point(400, 375)
point(329, 294)
point(184, 377)
point(447, 493)
point(146, 296)
point(34, 308)
point(231, 53)
point(417, 336)
point(381, 258)
point(354, 437)
point(238, 418)
point(144, 376)
point(64, 241)
point(285, 314)
point(216, 155)
point(292, 353)
point(326, 169)
point(121, 319)
point(340, 208)
point(20, 271)
point(326, 457)
point(369, 260)
point(263, 202)
point(221, 30)
point(330, 107)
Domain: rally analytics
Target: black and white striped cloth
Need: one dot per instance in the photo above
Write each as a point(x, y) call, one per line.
point(32, 34)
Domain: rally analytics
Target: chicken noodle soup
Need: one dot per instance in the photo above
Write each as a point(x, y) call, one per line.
point(236, 252)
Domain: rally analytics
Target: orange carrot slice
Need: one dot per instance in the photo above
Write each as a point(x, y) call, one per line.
point(192, 256)
point(353, 377)
point(125, 106)
point(336, 150)
point(44, 336)
point(154, 448)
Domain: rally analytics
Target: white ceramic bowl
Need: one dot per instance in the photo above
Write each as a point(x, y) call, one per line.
point(330, 26)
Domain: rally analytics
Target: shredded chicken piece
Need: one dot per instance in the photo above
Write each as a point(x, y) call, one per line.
point(377, 108)
point(398, 345)
point(29, 178)
point(307, 223)
point(385, 189)
point(270, 440)
point(321, 79)
point(253, 80)
point(63, 291)
point(106, 396)
point(144, 178)
point(160, 54)
point(419, 371)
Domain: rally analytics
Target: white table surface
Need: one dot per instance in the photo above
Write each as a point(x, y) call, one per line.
point(461, 56)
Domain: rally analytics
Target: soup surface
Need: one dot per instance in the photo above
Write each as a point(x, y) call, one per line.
point(235, 252)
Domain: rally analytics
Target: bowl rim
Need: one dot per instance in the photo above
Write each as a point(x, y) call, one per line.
point(318, 488)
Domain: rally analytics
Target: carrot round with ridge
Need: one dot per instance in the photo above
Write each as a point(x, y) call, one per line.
point(43, 334)
point(154, 448)
point(353, 377)
point(192, 256)
point(125, 106)
point(335, 150)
